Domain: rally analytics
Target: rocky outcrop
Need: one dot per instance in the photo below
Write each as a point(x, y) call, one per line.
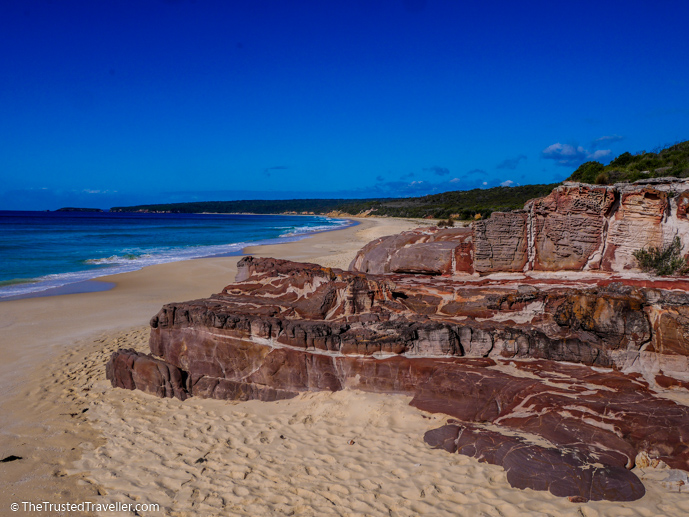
point(578, 227)
point(431, 251)
point(563, 473)
point(569, 226)
point(501, 242)
point(131, 370)
point(589, 367)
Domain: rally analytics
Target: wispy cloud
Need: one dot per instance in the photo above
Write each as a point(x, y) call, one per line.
point(440, 171)
point(511, 163)
point(507, 183)
point(605, 140)
point(268, 170)
point(477, 171)
point(380, 178)
point(600, 153)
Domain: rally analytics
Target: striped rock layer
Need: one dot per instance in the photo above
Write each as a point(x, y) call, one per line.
point(563, 383)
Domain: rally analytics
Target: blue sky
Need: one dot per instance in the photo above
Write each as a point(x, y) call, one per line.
point(116, 102)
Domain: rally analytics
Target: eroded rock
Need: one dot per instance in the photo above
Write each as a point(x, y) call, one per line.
point(576, 227)
point(563, 473)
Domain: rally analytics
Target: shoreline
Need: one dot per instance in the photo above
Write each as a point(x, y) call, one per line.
point(46, 339)
point(150, 287)
point(320, 453)
point(91, 280)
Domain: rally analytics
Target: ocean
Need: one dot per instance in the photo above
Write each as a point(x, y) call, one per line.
point(41, 251)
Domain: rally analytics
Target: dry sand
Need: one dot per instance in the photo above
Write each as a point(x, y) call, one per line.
point(345, 453)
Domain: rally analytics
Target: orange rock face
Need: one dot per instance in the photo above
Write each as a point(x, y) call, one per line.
point(569, 226)
point(501, 242)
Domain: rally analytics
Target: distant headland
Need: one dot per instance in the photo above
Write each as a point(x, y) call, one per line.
point(77, 209)
point(667, 161)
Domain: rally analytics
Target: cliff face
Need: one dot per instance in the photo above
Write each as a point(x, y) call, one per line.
point(482, 351)
point(578, 227)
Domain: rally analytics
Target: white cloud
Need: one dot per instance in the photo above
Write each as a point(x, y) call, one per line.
point(507, 183)
point(485, 183)
point(564, 152)
point(454, 180)
point(569, 156)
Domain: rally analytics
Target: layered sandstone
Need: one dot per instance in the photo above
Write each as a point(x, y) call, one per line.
point(430, 251)
point(483, 351)
point(578, 227)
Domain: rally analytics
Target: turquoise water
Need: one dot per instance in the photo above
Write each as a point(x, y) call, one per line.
point(44, 250)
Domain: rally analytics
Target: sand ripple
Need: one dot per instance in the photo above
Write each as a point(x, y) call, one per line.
point(346, 453)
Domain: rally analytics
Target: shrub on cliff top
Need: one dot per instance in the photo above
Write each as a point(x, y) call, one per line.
point(587, 172)
point(663, 161)
point(663, 261)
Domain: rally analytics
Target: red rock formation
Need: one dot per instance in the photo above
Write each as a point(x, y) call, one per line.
point(576, 227)
point(430, 251)
point(501, 242)
point(569, 226)
point(479, 350)
point(131, 370)
point(636, 224)
point(564, 473)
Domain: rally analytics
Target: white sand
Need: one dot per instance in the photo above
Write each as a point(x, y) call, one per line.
point(345, 453)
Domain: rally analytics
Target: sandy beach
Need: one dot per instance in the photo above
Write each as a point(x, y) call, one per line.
point(344, 453)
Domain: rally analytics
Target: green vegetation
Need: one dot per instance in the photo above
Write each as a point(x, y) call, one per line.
point(241, 207)
point(663, 261)
point(668, 161)
point(76, 209)
point(469, 204)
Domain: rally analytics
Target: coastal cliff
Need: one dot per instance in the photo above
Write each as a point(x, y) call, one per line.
point(568, 381)
point(578, 227)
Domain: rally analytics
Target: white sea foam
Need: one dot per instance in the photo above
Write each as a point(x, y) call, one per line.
point(131, 260)
point(302, 230)
point(118, 259)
